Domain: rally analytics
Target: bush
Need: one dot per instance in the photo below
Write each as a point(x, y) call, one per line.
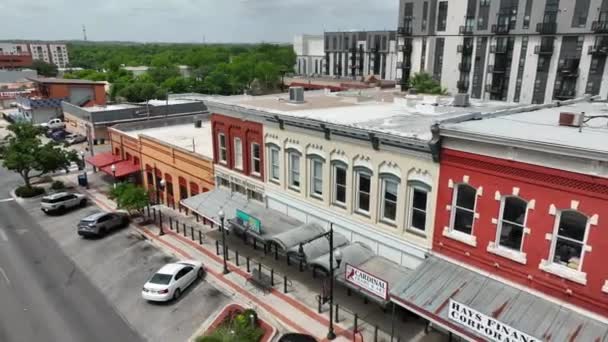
point(27, 192)
point(57, 185)
point(237, 329)
point(425, 84)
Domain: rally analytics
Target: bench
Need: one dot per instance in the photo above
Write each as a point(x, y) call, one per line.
point(260, 280)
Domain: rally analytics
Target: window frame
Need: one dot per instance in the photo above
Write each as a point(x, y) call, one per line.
point(412, 187)
point(455, 209)
point(334, 166)
point(221, 136)
point(384, 179)
point(238, 146)
point(312, 161)
point(254, 159)
point(290, 171)
point(500, 222)
point(556, 235)
point(271, 166)
point(359, 171)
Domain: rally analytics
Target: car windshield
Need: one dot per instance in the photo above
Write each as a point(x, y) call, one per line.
point(87, 221)
point(160, 278)
point(52, 200)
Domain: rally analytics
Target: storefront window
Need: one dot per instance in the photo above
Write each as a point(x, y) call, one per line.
point(221, 142)
point(238, 154)
point(512, 223)
point(339, 184)
point(463, 214)
point(294, 170)
point(256, 196)
point(316, 181)
point(256, 159)
point(390, 191)
point(569, 242)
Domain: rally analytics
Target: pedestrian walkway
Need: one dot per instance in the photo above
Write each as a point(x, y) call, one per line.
point(298, 309)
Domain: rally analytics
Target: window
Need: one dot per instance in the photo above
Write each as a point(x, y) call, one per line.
point(418, 208)
point(339, 195)
point(581, 9)
point(221, 142)
point(274, 164)
point(512, 223)
point(256, 161)
point(316, 175)
point(364, 182)
point(463, 213)
point(569, 242)
point(294, 170)
point(390, 192)
point(238, 154)
point(442, 16)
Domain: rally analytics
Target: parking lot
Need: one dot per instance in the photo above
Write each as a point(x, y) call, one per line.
point(119, 264)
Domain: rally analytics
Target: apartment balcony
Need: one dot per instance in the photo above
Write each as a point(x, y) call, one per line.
point(498, 49)
point(403, 65)
point(500, 29)
point(404, 30)
point(465, 49)
point(406, 47)
point(546, 28)
point(568, 68)
point(497, 69)
point(494, 89)
point(598, 50)
point(466, 30)
point(544, 49)
point(600, 26)
point(564, 94)
point(464, 67)
point(463, 86)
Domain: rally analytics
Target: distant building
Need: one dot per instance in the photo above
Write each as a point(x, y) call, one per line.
point(137, 70)
point(15, 76)
point(49, 52)
point(310, 55)
point(14, 56)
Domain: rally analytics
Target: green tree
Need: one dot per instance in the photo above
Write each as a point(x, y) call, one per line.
point(44, 69)
point(25, 154)
point(424, 83)
point(141, 91)
point(130, 197)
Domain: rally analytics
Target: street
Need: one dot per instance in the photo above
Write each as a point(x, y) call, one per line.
point(43, 295)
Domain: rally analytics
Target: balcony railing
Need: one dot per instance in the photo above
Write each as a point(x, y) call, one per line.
point(600, 26)
point(546, 28)
point(464, 67)
point(404, 30)
point(465, 49)
point(500, 29)
point(543, 49)
point(568, 68)
point(466, 30)
point(494, 89)
point(497, 69)
point(498, 49)
point(598, 50)
point(564, 94)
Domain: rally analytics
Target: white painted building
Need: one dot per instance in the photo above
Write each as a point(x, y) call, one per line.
point(309, 54)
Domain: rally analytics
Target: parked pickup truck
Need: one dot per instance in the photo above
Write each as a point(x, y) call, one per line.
point(54, 124)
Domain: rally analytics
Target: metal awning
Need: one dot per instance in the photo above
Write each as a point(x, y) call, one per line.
point(208, 204)
point(314, 249)
point(294, 237)
point(437, 284)
point(123, 168)
point(103, 159)
point(354, 254)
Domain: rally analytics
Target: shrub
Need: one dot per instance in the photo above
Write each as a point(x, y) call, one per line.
point(425, 84)
point(57, 185)
point(27, 192)
point(236, 329)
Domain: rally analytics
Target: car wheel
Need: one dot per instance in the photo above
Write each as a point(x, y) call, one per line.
point(103, 232)
point(83, 203)
point(125, 222)
point(200, 274)
point(177, 294)
point(61, 209)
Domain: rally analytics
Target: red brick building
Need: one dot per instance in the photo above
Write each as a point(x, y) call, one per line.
point(9, 60)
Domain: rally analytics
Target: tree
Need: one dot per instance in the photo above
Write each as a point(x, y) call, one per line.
point(130, 197)
point(44, 69)
point(141, 92)
point(25, 154)
point(424, 83)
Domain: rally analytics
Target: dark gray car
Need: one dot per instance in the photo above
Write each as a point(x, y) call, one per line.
point(100, 224)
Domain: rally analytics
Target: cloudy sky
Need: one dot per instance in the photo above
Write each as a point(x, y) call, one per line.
point(190, 20)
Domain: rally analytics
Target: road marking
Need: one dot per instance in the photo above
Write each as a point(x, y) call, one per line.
point(6, 200)
point(3, 235)
point(4, 275)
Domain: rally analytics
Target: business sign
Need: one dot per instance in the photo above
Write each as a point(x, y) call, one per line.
point(249, 221)
point(367, 282)
point(486, 326)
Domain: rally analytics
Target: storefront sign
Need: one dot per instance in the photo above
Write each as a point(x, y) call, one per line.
point(249, 221)
point(486, 326)
point(367, 282)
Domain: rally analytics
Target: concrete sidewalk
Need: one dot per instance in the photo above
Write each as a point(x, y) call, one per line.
point(295, 311)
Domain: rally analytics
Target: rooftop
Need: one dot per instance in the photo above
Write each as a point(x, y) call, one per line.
point(110, 107)
point(186, 136)
point(383, 111)
point(172, 101)
point(542, 127)
point(51, 80)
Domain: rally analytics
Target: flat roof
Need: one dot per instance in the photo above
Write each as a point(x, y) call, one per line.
point(172, 101)
point(52, 80)
point(542, 127)
point(110, 107)
point(386, 111)
point(186, 136)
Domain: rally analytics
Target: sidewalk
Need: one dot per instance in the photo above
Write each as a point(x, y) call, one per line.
point(296, 311)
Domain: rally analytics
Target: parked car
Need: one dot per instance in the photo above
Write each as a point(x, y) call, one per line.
point(62, 201)
point(58, 135)
point(296, 337)
point(54, 124)
point(171, 280)
point(100, 224)
point(72, 139)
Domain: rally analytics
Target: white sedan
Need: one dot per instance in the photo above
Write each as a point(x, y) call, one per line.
point(171, 280)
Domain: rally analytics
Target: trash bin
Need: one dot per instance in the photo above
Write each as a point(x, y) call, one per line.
point(82, 179)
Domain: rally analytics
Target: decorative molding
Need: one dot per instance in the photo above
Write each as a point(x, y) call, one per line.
point(363, 161)
point(465, 179)
point(391, 168)
point(339, 155)
point(593, 220)
point(605, 287)
point(532, 204)
point(552, 210)
point(494, 221)
point(497, 195)
point(563, 272)
point(588, 248)
point(476, 215)
point(515, 191)
point(480, 191)
point(316, 150)
point(516, 256)
point(527, 231)
point(448, 207)
point(450, 184)
point(574, 205)
point(548, 236)
point(470, 240)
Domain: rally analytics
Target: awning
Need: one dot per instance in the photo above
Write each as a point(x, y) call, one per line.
point(103, 159)
point(294, 237)
point(123, 168)
point(317, 248)
point(208, 204)
point(353, 254)
point(475, 306)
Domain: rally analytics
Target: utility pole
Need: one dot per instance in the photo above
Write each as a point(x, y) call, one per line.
point(84, 32)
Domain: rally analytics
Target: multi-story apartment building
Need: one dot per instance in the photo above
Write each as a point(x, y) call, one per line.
point(360, 53)
point(310, 55)
point(49, 52)
point(520, 236)
point(14, 56)
point(510, 50)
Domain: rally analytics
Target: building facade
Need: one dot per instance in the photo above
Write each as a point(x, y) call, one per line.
point(310, 57)
point(53, 53)
point(509, 50)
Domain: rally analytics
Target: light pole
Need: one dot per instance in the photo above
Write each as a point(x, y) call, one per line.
point(337, 255)
point(84, 167)
point(113, 168)
point(222, 215)
point(161, 187)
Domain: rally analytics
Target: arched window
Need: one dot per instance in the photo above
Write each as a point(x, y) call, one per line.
point(293, 169)
point(512, 223)
point(569, 239)
point(363, 189)
point(418, 203)
point(463, 209)
point(316, 176)
point(390, 196)
point(339, 170)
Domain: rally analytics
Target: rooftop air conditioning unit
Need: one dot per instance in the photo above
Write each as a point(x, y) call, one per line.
point(461, 100)
point(571, 119)
point(296, 95)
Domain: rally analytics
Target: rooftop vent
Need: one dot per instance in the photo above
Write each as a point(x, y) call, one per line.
point(461, 100)
point(296, 95)
point(571, 119)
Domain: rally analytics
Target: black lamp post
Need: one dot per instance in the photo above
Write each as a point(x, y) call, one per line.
point(222, 215)
point(84, 168)
point(161, 187)
point(113, 168)
point(337, 255)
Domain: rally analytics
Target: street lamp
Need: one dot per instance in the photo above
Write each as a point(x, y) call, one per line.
point(113, 168)
point(84, 167)
point(161, 187)
point(333, 254)
point(222, 215)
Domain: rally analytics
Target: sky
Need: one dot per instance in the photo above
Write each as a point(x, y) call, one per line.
point(190, 20)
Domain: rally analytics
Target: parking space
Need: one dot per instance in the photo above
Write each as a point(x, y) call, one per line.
point(119, 264)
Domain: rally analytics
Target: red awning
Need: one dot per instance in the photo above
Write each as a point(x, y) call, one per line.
point(103, 159)
point(123, 168)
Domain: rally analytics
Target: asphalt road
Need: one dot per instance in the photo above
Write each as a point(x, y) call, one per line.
point(43, 295)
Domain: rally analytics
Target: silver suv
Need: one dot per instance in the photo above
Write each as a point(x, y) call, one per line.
point(100, 224)
point(62, 201)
